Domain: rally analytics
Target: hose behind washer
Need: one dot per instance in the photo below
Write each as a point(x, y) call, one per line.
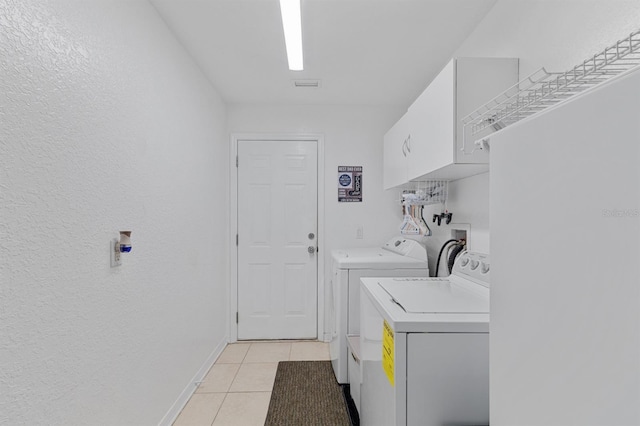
point(454, 253)
point(440, 254)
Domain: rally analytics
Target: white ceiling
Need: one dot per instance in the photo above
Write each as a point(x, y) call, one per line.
point(365, 52)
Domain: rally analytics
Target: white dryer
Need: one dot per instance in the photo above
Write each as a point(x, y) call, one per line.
point(398, 257)
point(424, 346)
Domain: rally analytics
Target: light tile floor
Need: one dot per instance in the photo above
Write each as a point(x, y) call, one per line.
point(237, 388)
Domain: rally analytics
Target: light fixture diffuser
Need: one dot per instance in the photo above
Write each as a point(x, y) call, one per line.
point(292, 24)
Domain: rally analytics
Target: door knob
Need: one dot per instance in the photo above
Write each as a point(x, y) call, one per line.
point(311, 249)
point(311, 235)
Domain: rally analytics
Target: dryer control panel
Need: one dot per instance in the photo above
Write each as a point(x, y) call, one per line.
point(406, 247)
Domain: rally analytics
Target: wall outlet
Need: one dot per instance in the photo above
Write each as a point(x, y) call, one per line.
point(360, 232)
point(116, 259)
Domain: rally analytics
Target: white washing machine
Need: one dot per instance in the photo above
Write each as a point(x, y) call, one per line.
point(424, 348)
point(398, 257)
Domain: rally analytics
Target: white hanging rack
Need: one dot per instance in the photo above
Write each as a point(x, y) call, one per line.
point(413, 202)
point(428, 192)
point(543, 89)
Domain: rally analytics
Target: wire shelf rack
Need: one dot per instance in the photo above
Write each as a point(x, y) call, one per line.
point(428, 192)
point(413, 203)
point(543, 89)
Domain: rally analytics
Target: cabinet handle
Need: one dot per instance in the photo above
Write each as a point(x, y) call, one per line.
point(404, 148)
point(408, 142)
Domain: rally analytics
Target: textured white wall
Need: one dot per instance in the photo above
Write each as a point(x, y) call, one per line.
point(555, 34)
point(352, 137)
point(105, 125)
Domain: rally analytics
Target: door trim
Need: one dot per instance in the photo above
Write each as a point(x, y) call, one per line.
point(233, 223)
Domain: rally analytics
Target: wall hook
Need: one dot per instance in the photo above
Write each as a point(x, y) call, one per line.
point(446, 216)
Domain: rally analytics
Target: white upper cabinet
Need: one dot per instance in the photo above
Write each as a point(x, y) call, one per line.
point(427, 142)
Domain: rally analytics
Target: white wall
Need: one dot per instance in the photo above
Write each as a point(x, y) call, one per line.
point(352, 137)
point(555, 34)
point(106, 125)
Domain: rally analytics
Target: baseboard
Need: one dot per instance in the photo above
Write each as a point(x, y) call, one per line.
point(182, 400)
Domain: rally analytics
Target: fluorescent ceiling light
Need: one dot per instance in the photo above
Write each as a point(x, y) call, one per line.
point(292, 24)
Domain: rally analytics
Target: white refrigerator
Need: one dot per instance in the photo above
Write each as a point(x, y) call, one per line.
point(565, 292)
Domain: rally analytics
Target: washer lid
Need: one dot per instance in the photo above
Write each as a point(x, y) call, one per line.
point(437, 296)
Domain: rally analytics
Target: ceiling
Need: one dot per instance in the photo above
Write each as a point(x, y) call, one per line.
point(364, 52)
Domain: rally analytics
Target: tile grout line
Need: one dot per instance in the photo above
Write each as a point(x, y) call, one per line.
point(235, 376)
point(234, 379)
point(226, 394)
point(219, 408)
point(246, 353)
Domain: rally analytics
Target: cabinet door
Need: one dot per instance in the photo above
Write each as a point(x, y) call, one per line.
point(432, 125)
point(395, 154)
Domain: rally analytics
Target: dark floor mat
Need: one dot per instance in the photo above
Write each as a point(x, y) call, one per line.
point(306, 393)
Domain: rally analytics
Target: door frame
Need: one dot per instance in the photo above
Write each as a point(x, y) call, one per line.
point(233, 222)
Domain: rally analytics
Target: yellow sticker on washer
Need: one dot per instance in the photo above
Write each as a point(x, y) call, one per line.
point(387, 351)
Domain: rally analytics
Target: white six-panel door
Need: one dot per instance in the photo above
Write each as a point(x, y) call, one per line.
point(277, 234)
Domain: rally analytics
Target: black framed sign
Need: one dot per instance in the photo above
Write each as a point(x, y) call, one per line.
point(349, 184)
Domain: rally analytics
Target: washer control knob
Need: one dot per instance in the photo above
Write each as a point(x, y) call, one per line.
point(484, 267)
point(464, 261)
point(474, 265)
